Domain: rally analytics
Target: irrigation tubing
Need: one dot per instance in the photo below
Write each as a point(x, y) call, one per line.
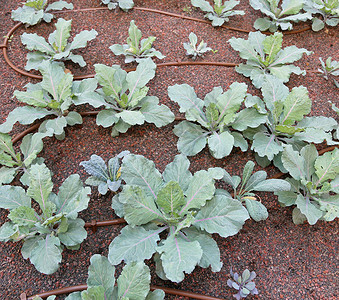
point(78, 288)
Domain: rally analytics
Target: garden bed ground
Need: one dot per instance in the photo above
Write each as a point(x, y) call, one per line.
point(292, 262)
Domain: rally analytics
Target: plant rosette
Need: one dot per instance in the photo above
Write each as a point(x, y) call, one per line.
point(57, 48)
point(220, 12)
point(266, 58)
point(315, 184)
point(194, 50)
point(58, 226)
point(243, 283)
point(215, 117)
point(176, 202)
point(33, 11)
point(125, 109)
point(283, 16)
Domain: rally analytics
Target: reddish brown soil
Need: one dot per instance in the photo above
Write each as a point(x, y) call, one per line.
point(292, 262)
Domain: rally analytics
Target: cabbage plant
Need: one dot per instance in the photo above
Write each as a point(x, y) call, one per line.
point(193, 49)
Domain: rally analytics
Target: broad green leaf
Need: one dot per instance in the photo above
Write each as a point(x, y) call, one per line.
point(106, 77)
point(133, 244)
point(93, 293)
point(57, 125)
point(138, 170)
point(296, 105)
point(272, 45)
point(255, 179)
point(72, 197)
point(179, 256)
point(247, 172)
point(291, 7)
point(82, 38)
point(63, 32)
point(266, 145)
point(294, 163)
point(139, 207)
point(203, 5)
point(257, 211)
point(200, 189)
point(107, 118)
point(327, 166)
point(6, 176)
point(210, 250)
point(245, 48)
point(307, 208)
point(131, 117)
point(23, 216)
point(272, 185)
point(160, 115)
point(29, 245)
point(96, 166)
point(134, 281)
point(178, 171)
point(59, 5)
point(289, 55)
point(32, 41)
point(221, 215)
point(75, 234)
point(297, 216)
point(156, 295)
point(46, 256)
point(134, 36)
point(101, 273)
point(6, 145)
point(7, 230)
point(220, 145)
point(186, 97)
point(34, 98)
point(40, 185)
point(274, 91)
point(74, 296)
point(248, 117)
point(73, 118)
point(171, 197)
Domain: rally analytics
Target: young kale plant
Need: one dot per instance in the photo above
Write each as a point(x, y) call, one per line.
point(33, 11)
point(58, 226)
point(283, 17)
point(249, 183)
point(135, 50)
point(123, 109)
point(286, 123)
point(14, 163)
point(328, 9)
point(51, 97)
point(315, 184)
point(265, 57)
point(215, 115)
point(243, 283)
point(57, 47)
point(219, 13)
point(133, 282)
point(102, 176)
point(329, 68)
point(176, 202)
point(195, 50)
point(125, 5)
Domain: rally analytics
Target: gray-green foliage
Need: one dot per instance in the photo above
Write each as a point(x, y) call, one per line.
point(315, 184)
point(215, 116)
point(102, 176)
point(133, 282)
point(124, 109)
point(329, 68)
point(45, 235)
point(220, 12)
point(243, 283)
point(244, 187)
point(125, 5)
point(194, 50)
point(328, 9)
point(33, 11)
point(286, 123)
point(136, 49)
point(14, 163)
point(180, 203)
point(53, 96)
point(57, 48)
point(265, 57)
point(283, 16)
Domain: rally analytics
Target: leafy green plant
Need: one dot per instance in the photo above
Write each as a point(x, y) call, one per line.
point(289, 11)
point(57, 47)
point(249, 183)
point(328, 9)
point(14, 163)
point(51, 97)
point(133, 282)
point(179, 203)
point(315, 184)
point(195, 50)
point(220, 12)
point(215, 115)
point(329, 68)
point(125, 5)
point(136, 50)
point(265, 57)
point(286, 123)
point(102, 176)
point(33, 11)
point(45, 235)
point(123, 109)
point(243, 283)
